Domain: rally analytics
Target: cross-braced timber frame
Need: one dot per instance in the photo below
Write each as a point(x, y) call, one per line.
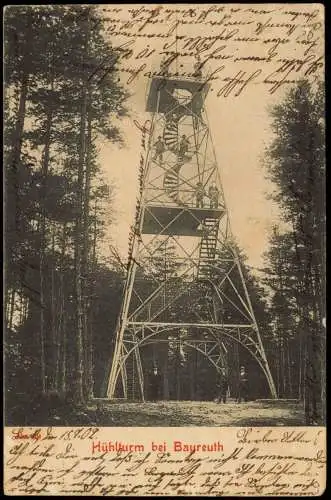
point(181, 218)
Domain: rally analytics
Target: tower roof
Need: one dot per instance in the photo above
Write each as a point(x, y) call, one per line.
point(165, 87)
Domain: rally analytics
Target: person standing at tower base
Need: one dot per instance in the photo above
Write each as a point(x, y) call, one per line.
point(155, 384)
point(243, 385)
point(223, 386)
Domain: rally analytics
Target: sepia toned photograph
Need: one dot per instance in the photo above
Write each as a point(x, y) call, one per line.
point(164, 250)
point(164, 233)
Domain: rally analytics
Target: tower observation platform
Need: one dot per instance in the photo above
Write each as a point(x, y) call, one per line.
point(161, 97)
point(183, 268)
point(181, 221)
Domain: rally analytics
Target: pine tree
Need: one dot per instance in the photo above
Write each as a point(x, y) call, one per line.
point(59, 103)
point(296, 164)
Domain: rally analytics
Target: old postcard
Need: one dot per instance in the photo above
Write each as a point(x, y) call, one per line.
point(165, 317)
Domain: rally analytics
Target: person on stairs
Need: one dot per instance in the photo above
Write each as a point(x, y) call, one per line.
point(159, 149)
point(183, 146)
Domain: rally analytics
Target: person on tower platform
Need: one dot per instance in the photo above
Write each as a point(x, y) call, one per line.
point(213, 195)
point(197, 68)
point(199, 193)
point(183, 146)
point(159, 149)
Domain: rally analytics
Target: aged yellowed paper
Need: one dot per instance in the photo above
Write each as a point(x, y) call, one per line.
point(175, 461)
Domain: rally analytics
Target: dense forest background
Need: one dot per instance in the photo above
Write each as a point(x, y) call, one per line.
point(62, 300)
point(59, 102)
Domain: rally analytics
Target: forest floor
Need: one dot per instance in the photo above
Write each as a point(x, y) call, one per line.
point(199, 413)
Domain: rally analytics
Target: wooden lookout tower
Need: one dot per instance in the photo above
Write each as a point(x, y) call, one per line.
point(185, 285)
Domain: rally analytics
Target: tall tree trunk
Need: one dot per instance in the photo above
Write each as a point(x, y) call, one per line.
point(178, 391)
point(78, 245)
point(21, 309)
point(11, 309)
point(300, 391)
point(25, 309)
point(63, 371)
point(95, 231)
point(60, 345)
point(79, 382)
point(79, 345)
point(303, 299)
point(192, 374)
point(282, 366)
point(322, 278)
point(85, 258)
point(84, 148)
point(13, 185)
point(43, 243)
point(54, 333)
point(289, 370)
point(16, 156)
point(319, 345)
point(312, 361)
point(278, 364)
